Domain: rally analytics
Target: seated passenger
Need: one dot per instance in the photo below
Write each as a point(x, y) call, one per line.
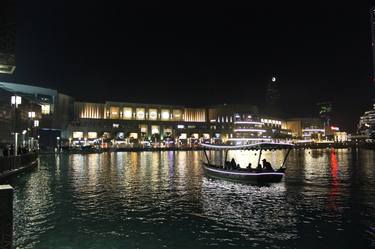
point(249, 167)
point(267, 166)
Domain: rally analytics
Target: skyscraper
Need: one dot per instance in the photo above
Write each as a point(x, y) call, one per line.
point(272, 98)
point(373, 40)
point(7, 36)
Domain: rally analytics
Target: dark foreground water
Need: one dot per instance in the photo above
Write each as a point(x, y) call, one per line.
point(163, 200)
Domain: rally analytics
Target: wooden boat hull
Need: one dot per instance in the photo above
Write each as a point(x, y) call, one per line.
point(242, 176)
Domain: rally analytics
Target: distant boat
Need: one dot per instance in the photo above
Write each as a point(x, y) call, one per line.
point(254, 176)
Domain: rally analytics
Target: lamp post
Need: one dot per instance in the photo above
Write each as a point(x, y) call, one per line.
point(58, 144)
point(31, 116)
point(15, 101)
point(36, 125)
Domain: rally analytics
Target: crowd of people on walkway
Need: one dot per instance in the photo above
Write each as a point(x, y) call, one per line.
point(264, 167)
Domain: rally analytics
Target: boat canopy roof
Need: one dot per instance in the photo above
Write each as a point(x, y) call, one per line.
point(262, 145)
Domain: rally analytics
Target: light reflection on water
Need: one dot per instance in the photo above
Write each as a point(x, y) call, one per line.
point(162, 200)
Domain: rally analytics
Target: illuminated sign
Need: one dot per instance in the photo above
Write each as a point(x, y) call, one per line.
point(335, 128)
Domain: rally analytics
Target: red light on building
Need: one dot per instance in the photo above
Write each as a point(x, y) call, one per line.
point(335, 128)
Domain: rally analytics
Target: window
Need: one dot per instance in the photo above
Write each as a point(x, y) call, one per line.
point(46, 109)
point(92, 135)
point(165, 114)
point(133, 135)
point(140, 112)
point(195, 135)
point(152, 114)
point(77, 134)
point(144, 128)
point(180, 126)
point(183, 136)
point(155, 129)
point(127, 113)
point(114, 112)
point(177, 114)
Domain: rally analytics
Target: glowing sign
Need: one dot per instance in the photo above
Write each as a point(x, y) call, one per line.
point(335, 128)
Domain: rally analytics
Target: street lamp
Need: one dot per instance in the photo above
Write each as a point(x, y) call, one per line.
point(58, 144)
point(15, 101)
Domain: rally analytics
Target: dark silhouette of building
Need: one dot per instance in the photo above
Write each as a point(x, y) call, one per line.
point(325, 113)
point(373, 39)
point(7, 36)
point(273, 98)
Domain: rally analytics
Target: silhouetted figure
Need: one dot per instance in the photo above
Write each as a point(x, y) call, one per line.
point(248, 167)
point(233, 164)
point(258, 168)
point(267, 166)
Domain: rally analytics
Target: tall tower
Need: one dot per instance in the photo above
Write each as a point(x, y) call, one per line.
point(373, 40)
point(273, 98)
point(7, 36)
point(325, 113)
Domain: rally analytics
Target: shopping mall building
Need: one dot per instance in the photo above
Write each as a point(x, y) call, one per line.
point(65, 121)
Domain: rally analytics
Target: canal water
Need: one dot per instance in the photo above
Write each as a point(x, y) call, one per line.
point(163, 200)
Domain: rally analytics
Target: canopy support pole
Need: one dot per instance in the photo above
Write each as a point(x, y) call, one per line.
point(226, 155)
point(260, 154)
point(286, 156)
point(208, 160)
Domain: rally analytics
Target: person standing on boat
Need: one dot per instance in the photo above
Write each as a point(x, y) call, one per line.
point(233, 164)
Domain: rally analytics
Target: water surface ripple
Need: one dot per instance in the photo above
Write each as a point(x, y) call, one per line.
point(163, 200)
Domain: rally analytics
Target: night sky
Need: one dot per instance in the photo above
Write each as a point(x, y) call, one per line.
point(201, 54)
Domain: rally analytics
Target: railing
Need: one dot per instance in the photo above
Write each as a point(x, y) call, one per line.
point(14, 162)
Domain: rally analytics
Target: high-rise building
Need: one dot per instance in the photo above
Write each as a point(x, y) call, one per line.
point(373, 39)
point(325, 113)
point(272, 98)
point(7, 36)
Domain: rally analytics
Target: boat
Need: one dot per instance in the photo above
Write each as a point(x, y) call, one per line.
point(252, 176)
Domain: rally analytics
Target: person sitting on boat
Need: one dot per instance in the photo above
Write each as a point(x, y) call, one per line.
point(249, 167)
point(227, 165)
point(267, 166)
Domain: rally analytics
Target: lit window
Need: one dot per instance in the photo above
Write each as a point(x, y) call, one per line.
point(195, 135)
point(92, 135)
point(177, 114)
point(127, 113)
point(46, 109)
point(183, 136)
point(155, 129)
point(133, 135)
point(77, 134)
point(206, 136)
point(165, 114)
point(167, 130)
point(144, 128)
point(115, 125)
point(180, 126)
point(140, 113)
point(152, 114)
point(114, 112)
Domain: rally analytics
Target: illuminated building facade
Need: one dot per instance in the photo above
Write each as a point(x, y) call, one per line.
point(56, 109)
point(124, 123)
point(18, 119)
point(366, 125)
point(306, 129)
point(121, 124)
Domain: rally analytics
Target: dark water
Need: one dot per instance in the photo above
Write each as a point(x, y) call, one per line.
point(162, 200)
